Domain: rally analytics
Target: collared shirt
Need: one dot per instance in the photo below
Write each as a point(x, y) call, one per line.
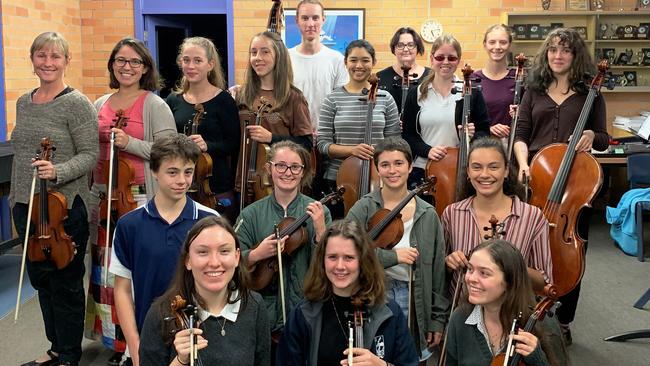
point(229, 312)
point(476, 318)
point(526, 228)
point(146, 249)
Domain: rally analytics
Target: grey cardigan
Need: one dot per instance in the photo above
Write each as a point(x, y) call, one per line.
point(158, 121)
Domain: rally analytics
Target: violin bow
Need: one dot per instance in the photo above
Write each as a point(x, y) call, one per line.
point(443, 350)
point(280, 272)
point(25, 243)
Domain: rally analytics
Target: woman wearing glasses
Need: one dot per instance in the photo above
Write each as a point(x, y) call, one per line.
point(133, 73)
point(289, 166)
point(218, 131)
point(433, 111)
point(406, 45)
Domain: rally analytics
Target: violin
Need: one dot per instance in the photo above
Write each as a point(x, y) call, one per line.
point(355, 327)
point(359, 176)
point(546, 307)
point(386, 227)
point(254, 184)
point(565, 182)
point(275, 22)
point(118, 199)
point(265, 270)
point(200, 191)
point(496, 229)
point(450, 171)
point(121, 173)
point(185, 316)
point(50, 241)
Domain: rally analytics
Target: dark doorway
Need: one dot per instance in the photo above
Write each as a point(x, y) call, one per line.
point(168, 32)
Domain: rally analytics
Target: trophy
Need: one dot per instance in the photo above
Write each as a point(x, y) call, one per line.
point(546, 4)
point(597, 5)
point(603, 31)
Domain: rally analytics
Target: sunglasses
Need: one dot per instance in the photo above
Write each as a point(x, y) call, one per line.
point(449, 58)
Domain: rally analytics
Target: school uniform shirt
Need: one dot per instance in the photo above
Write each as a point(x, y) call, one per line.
point(146, 249)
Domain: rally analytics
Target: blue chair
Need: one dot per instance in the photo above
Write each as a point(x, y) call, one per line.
point(638, 173)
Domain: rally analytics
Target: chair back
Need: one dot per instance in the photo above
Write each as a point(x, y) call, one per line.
point(638, 170)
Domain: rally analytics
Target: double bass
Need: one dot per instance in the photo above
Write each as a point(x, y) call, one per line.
point(200, 190)
point(118, 199)
point(50, 241)
point(359, 176)
point(520, 75)
point(450, 171)
point(564, 182)
point(275, 22)
point(253, 182)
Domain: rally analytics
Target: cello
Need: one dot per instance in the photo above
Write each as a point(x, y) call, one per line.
point(276, 17)
point(265, 270)
point(253, 183)
point(450, 171)
point(565, 182)
point(200, 191)
point(359, 176)
point(118, 199)
point(520, 75)
point(406, 83)
point(50, 241)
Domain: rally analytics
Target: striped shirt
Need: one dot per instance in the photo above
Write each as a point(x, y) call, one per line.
point(342, 121)
point(526, 228)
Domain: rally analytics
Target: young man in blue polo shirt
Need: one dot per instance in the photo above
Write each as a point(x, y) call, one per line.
point(147, 240)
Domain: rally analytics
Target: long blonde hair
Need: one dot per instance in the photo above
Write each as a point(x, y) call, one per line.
point(215, 76)
point(439, 42)
point(282, 76)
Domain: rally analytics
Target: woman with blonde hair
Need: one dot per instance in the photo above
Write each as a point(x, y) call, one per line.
point(433, 112)
point(218, 132)
point(64, 115)
point(345, 268)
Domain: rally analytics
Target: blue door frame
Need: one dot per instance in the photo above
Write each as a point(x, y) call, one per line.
point(5, 221)
point(143, 8)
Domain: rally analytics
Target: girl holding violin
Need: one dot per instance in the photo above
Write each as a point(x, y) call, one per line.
point(67, 117)
point(341, 128)
point(420, 248)
point(289, 166)
point(497, 81)
point(133, 73)
point(496, 288)
point(232, 323)
point(203, 83)
point(269, 76)
point(556, 91)
point(344, 284)
point(491, 190)
point(406, 45)
point(433, 111)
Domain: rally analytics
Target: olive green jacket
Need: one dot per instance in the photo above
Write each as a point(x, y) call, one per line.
point(255, 223)
point(431, 303)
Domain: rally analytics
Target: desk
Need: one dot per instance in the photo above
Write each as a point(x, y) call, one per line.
point(611, 160)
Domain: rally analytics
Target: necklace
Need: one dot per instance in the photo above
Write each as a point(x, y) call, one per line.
point(223, 327)
point(338, 319)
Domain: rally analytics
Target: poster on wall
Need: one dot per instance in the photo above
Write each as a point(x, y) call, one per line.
point(341, 27)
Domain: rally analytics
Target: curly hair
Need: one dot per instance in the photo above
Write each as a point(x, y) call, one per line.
point(541, 76)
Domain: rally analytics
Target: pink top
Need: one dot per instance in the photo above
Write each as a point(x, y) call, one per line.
point(134, 128)
point(526, 228)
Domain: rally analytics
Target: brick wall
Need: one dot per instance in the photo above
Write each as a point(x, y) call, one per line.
point(93, 27)
point(22, 21)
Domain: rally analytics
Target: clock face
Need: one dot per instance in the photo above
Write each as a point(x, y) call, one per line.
point(431, 30)
point(644, 3)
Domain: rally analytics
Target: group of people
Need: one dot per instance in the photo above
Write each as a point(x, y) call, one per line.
point(315, 290)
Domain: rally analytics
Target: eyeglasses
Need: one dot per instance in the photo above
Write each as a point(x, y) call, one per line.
point(281, 168)
point(449, 58)
point(408, 46)
point(134, 62)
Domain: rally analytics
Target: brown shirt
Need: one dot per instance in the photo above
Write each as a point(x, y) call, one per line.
point(543, 122)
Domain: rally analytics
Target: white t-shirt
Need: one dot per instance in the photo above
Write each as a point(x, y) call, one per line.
point(317, 76)
point(437, 122)
point(400, 272)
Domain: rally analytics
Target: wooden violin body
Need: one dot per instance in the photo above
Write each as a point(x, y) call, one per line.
point(253, 181)
point(200, 190)
point(266, 269)
point(50, 241)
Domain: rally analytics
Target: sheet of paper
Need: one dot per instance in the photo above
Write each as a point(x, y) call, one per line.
point(644, 131)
